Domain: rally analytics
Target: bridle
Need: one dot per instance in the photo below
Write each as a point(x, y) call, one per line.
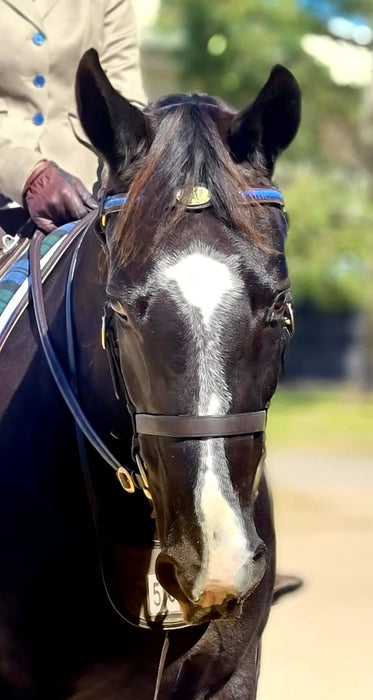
point(177, 427)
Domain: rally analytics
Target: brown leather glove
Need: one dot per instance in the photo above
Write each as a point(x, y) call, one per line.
point(54, 197)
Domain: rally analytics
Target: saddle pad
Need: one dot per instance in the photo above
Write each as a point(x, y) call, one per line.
point(15, 283)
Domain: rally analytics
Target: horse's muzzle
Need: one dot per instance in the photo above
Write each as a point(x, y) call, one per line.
point(219, 598)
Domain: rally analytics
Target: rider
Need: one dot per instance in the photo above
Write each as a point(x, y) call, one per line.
point(46, 163)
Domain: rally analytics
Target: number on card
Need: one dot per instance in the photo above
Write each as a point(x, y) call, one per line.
point(159, 601)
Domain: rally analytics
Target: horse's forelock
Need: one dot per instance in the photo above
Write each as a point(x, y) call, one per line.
point(188, 149)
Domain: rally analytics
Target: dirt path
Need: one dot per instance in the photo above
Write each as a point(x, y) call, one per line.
point(318, 642)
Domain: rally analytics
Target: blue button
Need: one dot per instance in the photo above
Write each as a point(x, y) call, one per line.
point(39, 81)
point(38, 38)
point(38, 119)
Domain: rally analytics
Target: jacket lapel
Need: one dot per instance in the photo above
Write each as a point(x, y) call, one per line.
point(29, 10)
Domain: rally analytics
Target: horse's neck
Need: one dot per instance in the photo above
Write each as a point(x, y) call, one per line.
point(229, 664)
point(107, 414)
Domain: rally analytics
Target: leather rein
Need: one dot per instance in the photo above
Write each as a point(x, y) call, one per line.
point(177, 427)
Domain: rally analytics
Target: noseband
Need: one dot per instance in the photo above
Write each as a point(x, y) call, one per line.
point(171, 426)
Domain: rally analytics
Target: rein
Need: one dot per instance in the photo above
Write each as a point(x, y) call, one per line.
point(50, 355)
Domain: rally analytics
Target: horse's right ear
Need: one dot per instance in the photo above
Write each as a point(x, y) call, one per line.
point(115, 127)
point(260, 132)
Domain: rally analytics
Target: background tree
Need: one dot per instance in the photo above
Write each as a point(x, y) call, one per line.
point(228, 49)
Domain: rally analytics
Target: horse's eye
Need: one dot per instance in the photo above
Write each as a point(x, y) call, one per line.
point(279, 305)
point(119, 309)
point(278, 308)
point(280, 302)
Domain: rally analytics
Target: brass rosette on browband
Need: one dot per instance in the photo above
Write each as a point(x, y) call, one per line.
point(197, 197)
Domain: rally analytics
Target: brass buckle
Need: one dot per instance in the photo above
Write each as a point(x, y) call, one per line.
point(289, 318)
point(126, 480)
point(144, 477)
point(257, 479)
point(103, 330)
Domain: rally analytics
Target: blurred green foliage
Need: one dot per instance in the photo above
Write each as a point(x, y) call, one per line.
point(354, 7)
point(340, 417)
point(329, 246)
point(257, 35)
point(228, 48)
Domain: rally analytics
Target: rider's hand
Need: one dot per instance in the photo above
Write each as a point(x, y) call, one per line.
point(54, 197)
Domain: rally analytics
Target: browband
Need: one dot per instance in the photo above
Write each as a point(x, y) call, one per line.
point(115, 202)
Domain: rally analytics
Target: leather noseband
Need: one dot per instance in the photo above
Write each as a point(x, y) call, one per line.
point(201, 426)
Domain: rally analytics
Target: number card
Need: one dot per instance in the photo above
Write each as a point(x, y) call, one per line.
point(159, 601)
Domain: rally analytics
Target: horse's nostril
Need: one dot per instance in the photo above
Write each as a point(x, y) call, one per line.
point(166, 574)
point(259, 552)
point(170, 576)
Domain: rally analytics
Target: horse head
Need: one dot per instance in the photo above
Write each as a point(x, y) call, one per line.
point(198, 285)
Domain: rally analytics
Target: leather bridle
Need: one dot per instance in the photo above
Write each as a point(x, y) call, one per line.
point(173, 426)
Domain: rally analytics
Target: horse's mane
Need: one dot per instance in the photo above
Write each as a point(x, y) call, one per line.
point(188, 149)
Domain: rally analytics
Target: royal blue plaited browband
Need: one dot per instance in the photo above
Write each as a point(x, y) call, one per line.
point(114, 203)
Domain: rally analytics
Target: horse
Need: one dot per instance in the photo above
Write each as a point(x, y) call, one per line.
point(181, 275)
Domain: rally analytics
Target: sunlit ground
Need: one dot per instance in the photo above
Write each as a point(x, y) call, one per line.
point(318, 644)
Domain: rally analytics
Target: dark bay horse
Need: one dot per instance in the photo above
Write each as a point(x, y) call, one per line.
point(194, 284)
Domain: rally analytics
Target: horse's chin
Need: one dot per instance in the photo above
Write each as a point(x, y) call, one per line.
point(194, 614)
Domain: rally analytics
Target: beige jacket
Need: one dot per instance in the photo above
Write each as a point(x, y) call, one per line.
point(41, 42)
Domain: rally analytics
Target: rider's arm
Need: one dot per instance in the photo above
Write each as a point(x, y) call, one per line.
point(119, 55)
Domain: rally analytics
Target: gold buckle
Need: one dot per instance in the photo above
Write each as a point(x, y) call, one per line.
point(289, 318)
point(126, 480)
point(103, 331)
point(257, 479)
point(144, 477)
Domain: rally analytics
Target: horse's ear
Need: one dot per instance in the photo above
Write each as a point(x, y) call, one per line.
point(285, 584)
point(115, 127)
point(269, 124)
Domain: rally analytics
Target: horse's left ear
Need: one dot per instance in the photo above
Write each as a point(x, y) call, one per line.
point(269, 124)
point(115, 127)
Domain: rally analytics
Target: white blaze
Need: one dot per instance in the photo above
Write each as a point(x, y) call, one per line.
point(207, 284)
point(202, 281)
point(225, 551)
